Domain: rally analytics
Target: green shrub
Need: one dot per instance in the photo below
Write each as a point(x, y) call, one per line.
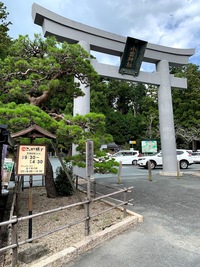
point(63, 185)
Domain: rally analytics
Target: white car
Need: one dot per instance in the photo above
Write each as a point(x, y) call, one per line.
point(127, 156)
point(183, 156)
point(196, 157)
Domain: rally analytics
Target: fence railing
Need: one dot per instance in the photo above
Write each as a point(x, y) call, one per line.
point(81, 185)
point(14, 243)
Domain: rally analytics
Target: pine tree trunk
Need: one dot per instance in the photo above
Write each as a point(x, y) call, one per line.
point(49, 181)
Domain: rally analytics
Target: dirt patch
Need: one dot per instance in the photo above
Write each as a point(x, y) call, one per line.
point(67, 237)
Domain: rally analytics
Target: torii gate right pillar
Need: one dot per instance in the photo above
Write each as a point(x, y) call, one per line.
point(166, 119)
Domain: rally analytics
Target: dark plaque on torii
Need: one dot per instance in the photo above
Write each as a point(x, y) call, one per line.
point(132, 56)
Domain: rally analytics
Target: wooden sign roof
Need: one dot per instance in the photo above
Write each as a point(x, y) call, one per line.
point(34, 131)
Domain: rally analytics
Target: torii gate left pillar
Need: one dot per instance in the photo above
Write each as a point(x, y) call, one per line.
point(101, 41)
point(82, 104)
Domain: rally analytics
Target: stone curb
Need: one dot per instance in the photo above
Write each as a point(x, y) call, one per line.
point(70, 253)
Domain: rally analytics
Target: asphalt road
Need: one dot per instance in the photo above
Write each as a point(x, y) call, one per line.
point(170, 233)
point(131, 170)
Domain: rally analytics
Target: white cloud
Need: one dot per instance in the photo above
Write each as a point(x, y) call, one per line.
point(171, 23)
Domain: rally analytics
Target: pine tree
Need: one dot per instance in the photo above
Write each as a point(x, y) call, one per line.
point(5, 40)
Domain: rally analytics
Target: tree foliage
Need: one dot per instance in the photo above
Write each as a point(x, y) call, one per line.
point(19, 117)
point(78, 130)
point(62, 183)
point(5, 40)
point(128, 108)
point(41, 71)
point(186, 104)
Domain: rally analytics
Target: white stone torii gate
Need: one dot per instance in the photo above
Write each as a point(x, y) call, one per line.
point(101, 41)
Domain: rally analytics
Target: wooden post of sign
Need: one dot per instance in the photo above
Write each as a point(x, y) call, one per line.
point(22, 179)
point(30, 206)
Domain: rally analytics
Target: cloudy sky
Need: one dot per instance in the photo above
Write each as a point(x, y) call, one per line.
point(174, 23)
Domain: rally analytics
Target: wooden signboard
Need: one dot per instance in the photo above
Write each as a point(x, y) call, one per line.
point(31, 160)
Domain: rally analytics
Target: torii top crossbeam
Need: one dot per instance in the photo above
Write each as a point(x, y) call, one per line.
point(105, 42)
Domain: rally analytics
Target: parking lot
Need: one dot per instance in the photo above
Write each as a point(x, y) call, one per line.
point(169, 235)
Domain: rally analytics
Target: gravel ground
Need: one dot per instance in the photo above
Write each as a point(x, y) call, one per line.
point(66, 237)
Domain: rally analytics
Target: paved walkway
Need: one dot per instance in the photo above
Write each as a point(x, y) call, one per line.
point(170, 233)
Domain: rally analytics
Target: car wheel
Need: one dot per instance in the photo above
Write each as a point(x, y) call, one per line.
point(152, 164)
point(183, 164)
point(134, 162)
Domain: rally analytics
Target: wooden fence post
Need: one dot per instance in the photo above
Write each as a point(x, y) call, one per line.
point(178, 169)
point(87, 220)
point(149, 169)
point(125, 199)
point(14, 241)
point(119, 173)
